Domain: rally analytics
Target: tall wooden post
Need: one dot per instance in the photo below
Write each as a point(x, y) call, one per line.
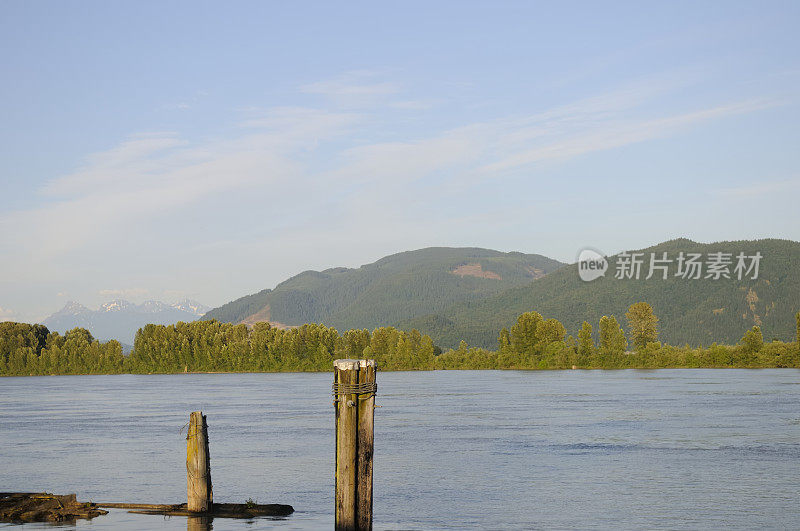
point(198, 465)
point(366, 438)
point(354, 391)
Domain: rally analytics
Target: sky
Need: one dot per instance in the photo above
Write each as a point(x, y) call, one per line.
point(162, 150)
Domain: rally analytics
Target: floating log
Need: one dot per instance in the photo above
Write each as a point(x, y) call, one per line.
point(200, 506)
point(20, 507)
point(217, 510)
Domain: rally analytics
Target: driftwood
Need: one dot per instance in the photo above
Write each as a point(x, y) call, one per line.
point(44, 507)
point(218, 510)
point(19, 507)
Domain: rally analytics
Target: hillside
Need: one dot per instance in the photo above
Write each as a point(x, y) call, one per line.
point(120, 319)
point(694, 311)
point(393, 289)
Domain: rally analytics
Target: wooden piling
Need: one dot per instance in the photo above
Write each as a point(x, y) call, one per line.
point(354, 393)
point(198, 465)
point(366, 438)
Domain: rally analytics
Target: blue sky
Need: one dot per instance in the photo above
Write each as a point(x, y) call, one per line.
point(160, 150)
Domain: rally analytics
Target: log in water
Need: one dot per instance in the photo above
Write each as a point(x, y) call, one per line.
point(18, 507)
point(216, 510)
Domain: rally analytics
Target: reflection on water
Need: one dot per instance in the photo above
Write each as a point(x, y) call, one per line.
point(199, 523)
point(453, 449)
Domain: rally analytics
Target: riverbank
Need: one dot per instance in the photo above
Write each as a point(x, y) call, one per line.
point(213, 347)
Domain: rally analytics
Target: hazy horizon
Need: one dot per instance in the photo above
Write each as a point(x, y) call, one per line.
point(163, 151)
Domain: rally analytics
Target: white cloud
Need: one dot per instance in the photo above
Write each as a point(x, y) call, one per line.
point(157, 174)
point(587, 131)
point(5, 313)
point(311, 176)
point(279, 149)
point(140, 155)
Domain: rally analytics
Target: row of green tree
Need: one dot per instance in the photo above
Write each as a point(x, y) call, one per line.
point(208, 346)
point(533, 342)
point(537, 343)
point(32, 349)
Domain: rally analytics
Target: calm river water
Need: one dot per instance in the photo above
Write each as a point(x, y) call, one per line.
point(453, 449)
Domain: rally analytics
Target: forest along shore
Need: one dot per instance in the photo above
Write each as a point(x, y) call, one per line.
point(533, 342)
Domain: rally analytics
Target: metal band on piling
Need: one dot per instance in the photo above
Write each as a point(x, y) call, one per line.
point(361, 388)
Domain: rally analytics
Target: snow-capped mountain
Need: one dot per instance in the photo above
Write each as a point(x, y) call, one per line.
point(191, 306)
point(120, 319)
point(118, 305)
point(74, 308)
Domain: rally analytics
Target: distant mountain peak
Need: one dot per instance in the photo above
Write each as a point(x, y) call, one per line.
point(191, 306)
point(153, 306)
point(117, 305)
point(390, 290)
point(72, 308)
point(120, 319)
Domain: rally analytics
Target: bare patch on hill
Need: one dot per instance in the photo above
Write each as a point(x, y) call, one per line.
point(752, 299)
point(475, 270)
point(534, 272)
point(263, 316)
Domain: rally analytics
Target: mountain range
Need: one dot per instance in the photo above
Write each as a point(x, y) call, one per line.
point(385, 292)
point(470, 294)
point(120, 319)
point(691, 311)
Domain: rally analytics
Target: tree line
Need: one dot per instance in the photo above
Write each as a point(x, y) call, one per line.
point(533, 342)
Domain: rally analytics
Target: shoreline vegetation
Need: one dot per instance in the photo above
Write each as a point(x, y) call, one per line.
point(533, 342)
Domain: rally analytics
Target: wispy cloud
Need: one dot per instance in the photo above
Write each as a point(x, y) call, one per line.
point(5, 313)
point(155, 174)
point(556, 137)
point(310, 174)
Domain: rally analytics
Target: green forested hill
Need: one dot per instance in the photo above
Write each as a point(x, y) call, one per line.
point(394, 288)
point(697, 312)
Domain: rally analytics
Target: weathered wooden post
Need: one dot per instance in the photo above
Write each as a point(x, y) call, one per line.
point(366, 439)
point(354, 388)
point(198, 465)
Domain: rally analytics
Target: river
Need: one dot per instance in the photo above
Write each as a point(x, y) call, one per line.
point(633, 449)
